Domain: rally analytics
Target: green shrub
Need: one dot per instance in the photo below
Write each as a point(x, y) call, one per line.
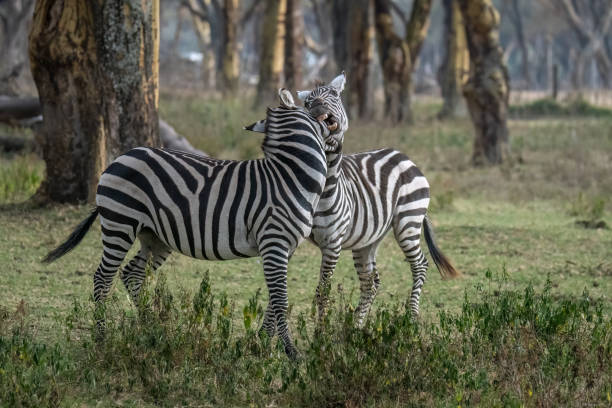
point(503, 348)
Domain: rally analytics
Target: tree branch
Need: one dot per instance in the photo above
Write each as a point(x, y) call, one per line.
point(250, 12)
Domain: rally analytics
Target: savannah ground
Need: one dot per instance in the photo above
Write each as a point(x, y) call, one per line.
point(510, 230)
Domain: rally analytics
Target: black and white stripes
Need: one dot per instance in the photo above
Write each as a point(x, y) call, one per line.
point(212, 209)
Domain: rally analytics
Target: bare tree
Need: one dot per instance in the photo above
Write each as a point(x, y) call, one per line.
point(231, 69)
point(96, 68)
point(398, 56)
point(455, 66)
point(486, 91)
point(590, 21)
point(15, 18)
point(514, 11)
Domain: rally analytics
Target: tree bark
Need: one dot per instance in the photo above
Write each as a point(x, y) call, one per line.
point(272, 55)
point(486, 91)
point(15, 76)
point(360, 35)
point(95, 65)
point(456, 64)
point(230, 71)
point(294, 44)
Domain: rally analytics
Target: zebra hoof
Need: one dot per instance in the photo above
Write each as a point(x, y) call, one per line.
point(292, 353)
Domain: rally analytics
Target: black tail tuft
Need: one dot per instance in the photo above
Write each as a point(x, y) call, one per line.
point(73, 240)
point(447, 270)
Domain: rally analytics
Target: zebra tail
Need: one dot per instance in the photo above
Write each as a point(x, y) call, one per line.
point(446, 269)
point(73, 240)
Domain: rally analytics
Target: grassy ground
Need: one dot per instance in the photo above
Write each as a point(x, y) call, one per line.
point(516, 222)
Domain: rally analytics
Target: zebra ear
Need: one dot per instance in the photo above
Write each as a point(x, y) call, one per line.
point(338, 82)
point(302, 95)
point(259, 126)
point(286, 98)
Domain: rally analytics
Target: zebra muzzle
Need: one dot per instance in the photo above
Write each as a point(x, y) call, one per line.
point(329, 121)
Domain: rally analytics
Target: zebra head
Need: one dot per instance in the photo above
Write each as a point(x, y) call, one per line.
point(324, 103)
point(331, 138)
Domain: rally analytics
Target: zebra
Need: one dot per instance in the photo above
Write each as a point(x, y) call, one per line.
point(207, 208)
point(367, 194)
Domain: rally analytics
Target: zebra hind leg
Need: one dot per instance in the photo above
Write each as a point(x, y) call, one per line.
point(409, 242)
point(369, 280)
point(117, 239)
point(152, 253)
point(329, 259)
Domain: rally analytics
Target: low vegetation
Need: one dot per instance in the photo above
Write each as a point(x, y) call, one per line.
point(529, 324)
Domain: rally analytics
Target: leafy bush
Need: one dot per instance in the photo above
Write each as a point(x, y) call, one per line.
point(551, 107)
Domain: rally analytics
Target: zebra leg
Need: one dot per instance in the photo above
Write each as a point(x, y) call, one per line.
point(329, 259)
point(409, 239)
point(275, 258)
point(117, 239)
point(153, 253)
point(269, 322)
point(369, 280)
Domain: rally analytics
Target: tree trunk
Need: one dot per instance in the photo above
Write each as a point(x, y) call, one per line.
point(340, 32)
point(15, 76)
point(517, 22)
point(203, 34)
point(486, 91)
point(395, 63)
point(95, 64)
point(294, 44)
point(398, 57)
point(456, 64)
point(271, 58)
point(360, 35)
point(230, 70)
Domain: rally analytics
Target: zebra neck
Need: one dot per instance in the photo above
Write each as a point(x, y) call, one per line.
point(334, 164)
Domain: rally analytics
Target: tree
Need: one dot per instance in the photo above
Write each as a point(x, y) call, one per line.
point(230, 70)
point(360, 35)
point(517, 22)
point(486, 91)
point(398, 56)
point(272, 55)
point(15, 18)
point(456, 63)
point(95, 64)
point(590, 20)
point(294, 44)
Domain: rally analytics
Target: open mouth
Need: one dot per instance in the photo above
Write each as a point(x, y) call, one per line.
point(329, 120)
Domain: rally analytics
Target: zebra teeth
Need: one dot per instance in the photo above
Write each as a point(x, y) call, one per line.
point(322, 117)
point(333, 126)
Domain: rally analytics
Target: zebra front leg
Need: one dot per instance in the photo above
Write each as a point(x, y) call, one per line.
point(329, 259)
point(275, 259)
point(369, 280)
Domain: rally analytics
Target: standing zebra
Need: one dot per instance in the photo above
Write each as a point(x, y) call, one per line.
point(365, 195)
point(212, 209)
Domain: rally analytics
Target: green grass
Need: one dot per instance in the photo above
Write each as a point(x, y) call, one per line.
point(511, 231)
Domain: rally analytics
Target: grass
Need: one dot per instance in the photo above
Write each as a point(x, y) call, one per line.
point(529, 323)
